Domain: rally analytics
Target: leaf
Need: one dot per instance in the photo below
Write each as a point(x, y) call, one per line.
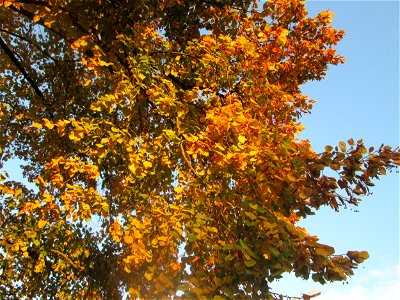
point(242, 139)
point(358, 256)
point(382, 170)
point(247, 249)
point(178, 189)
point(219, 146)
point(159, 145)
point(147, 164)
point(191, 138)
point(128, 239)
point(76, 135)
point(105, 206)
point(191, 237)
point(42, 223)
point(250, 263)
point(282, 38)
point(324, 250)
point(85, 206)
point(342, 146)
point(7, 3)
point(291, 177)
point(250, 215)
point(37, 125)
point(48, 124)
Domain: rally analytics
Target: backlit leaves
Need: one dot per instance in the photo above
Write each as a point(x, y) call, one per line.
point(161, 148)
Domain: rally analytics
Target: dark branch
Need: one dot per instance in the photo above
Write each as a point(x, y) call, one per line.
point(28, 78)
point(37, 46)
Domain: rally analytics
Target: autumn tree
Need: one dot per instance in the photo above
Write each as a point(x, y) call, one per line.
point(160, 149)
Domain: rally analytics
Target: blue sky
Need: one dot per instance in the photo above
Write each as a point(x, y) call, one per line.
point(359, 99)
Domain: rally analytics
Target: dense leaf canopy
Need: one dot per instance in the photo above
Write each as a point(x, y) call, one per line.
point(161, 150)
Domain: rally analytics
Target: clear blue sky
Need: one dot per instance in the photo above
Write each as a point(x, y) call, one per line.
point(359, 99)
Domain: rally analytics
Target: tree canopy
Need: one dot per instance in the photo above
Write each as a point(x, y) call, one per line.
point(161, 150)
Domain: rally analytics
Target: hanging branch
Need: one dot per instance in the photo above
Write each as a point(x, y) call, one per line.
point(28, 78)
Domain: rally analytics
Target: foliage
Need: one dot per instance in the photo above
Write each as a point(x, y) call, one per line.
point(160, 149)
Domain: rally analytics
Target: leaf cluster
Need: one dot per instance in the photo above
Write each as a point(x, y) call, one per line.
point(161, 152)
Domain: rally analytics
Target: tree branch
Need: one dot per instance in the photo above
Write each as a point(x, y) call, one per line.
point(28, 78)
point(66, 258)
point(37, 46)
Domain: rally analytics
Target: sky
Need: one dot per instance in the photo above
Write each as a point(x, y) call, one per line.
point(359, 100)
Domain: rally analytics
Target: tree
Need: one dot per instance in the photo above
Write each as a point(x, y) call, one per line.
point(161, 149)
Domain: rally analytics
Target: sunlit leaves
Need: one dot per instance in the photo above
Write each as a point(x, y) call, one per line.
point(324, 250)
point(163, 160)
point(358, 256)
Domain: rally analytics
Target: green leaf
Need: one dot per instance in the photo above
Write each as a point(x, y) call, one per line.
point(250, 215)
point(250, 263)
point(191, 237)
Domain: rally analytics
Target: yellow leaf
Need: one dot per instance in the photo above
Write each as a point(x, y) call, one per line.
point(147, 165)
point(137, 234)
point(148, 276)
point(178, 189)
point(128, 239)
point(283, 37)
point(242, 139)
point(42, 223)
point(36, 18)
point(132, 167)
point(219, 146)
point(57, 178)
point(291, 177)
point(40, 265)
point(178, 230)
point(116, 231)
point(142, 76)
point(250, 215)
point(76, 135)
point(103, 63)
point(85, 206)
point(174, 73)
point(191, 138)
point(48, 124)
point(47, 197)
point(105, 206)
point(87, 82)
point(172, 206)
point(37, 125)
